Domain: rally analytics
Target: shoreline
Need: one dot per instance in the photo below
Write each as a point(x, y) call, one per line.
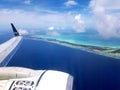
point(105, 51)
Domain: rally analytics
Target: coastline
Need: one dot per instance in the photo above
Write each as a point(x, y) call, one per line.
point(101, 50)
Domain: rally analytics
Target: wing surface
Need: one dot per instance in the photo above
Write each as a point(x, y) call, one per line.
point(9, 46)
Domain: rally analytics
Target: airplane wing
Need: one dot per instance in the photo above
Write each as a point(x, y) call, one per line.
point(9, 47)
point(18, 78)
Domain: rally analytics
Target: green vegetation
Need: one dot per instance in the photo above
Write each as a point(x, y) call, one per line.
point(107, 51)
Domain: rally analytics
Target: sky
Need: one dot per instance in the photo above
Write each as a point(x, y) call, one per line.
point(79, 16)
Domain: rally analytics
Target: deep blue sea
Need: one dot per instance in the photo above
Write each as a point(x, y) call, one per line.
point(90, 71)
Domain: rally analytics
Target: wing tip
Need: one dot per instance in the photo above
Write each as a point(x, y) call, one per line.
point(15, 30)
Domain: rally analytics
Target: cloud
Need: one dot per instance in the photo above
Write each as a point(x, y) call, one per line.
point(53, 33)
point(23, 32)
point(28, 2)
point(79, 24)
point(107, 24)
point(70, 3)
point(31, 19)
point(109, 4)
point(51, 21)
point(51, 28)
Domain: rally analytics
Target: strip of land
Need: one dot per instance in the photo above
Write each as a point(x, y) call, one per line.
point(107, 51)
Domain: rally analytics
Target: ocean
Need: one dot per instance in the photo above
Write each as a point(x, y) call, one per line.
point(90, 71)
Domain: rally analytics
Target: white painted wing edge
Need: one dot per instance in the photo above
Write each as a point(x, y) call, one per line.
point(7, 47)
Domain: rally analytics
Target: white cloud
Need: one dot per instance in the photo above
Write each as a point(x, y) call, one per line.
point(53, 33)
point(28, 2)
point(70, 3)
point(23, 32)
point(26, 19)
point(51, 28)
point(31, 19)
point(79, 24)
point(107, 23)
point(109, 4)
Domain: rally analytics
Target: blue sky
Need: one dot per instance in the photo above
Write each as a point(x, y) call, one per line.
point(48, 4)
point(56, 15)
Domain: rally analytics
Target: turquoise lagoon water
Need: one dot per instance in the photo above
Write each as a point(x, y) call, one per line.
point(86, 39)
point(90, 71)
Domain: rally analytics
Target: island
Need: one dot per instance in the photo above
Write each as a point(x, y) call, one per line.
point(113, 52)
